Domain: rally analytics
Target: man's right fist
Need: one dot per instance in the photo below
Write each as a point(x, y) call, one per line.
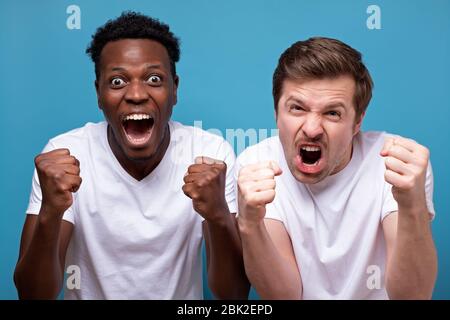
point(59, 176)
point(256, 188)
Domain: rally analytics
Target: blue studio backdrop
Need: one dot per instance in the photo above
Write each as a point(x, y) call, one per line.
point(229, 50)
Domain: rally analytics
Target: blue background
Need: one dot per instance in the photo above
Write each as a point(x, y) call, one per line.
point(229, 51)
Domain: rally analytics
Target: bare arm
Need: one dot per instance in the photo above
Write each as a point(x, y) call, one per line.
point(205, 185)
point(40, 269)
point(226, 273)
point(411, 262)
point(268, 254)
point(270, 261)
point(39, 272)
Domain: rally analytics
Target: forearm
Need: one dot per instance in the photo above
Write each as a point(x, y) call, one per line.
point(412, 271)
point(226, 273)
point(39, 274)
point(267, 269)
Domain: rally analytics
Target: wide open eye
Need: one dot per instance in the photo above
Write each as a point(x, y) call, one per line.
point(154, 80)
point(117, 82)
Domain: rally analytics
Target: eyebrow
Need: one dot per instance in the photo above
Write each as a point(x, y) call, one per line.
point(335, 105)
point(296, 100)
point(327, 107)
point(148, 67)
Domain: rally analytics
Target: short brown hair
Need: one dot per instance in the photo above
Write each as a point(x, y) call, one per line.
point(319, 58)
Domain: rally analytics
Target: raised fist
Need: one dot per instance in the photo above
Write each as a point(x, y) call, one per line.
point(59, 176)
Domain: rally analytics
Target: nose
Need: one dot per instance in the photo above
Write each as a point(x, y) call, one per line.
point(312, 127)
point(136, 93)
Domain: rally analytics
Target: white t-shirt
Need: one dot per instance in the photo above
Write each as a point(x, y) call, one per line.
point(136, 239)
point(335, 225)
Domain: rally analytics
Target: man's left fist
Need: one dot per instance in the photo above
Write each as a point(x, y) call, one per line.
point(204, 183)
point(406, 167)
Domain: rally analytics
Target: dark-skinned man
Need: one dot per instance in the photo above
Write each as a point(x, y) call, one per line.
point(110, 198)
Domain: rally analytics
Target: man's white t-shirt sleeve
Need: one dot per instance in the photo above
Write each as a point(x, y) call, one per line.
point(34, 203)
point(390, 205)
point(230, 193)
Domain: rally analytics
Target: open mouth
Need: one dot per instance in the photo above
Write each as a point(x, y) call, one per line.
point(309, 159)
point(138, 128)
point(310, 155)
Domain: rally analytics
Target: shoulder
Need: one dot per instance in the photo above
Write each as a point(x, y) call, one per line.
point(79, 138)
point(268, 149)
point(370, 142)
point(180, 130)
point(202, 142)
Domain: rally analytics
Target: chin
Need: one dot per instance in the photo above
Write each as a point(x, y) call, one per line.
point(140, 155)
point(308, 178)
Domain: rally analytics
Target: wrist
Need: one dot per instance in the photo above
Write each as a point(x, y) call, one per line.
point(247, 226)
point(413, 210)
point(218, 215)
point(47, 214)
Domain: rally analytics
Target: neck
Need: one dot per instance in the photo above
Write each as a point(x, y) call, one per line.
point(139, 168)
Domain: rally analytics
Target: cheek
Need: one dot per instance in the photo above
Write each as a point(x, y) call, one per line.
point(109, 98)
point(288, 128)
point(340, 139)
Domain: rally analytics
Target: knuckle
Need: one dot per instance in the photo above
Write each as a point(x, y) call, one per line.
point(272, 183)
point(202, 183)
point(62, 186)
point(271, 195)
point(409, 183)
point(195, 195)
point(243, 171)
point(58, 175)
point(37, 159)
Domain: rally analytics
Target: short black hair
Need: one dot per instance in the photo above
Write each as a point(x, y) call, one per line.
point(133, 25)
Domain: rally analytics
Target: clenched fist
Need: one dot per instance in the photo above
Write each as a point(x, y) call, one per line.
point(205, 185)
point(406, 167)
point(256, 188)
point(59, 176)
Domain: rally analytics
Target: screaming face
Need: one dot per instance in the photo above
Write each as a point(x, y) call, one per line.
point(138, 128)
point(136, 92)
point(316, 121)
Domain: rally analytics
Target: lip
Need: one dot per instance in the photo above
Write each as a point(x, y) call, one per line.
point(307, 168)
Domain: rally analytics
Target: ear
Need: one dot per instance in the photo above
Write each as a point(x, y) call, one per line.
point(275, 114)
point(176, 81)
point(98, 95)
point(358, 124)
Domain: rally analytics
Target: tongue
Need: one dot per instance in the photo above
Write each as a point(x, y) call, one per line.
point(137, 129)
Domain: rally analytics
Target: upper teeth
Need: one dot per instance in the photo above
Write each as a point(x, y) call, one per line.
point(310, 148)
point(137, 116)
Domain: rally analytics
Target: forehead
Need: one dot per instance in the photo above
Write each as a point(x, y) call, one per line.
point(320, 91)
point(134, 52)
